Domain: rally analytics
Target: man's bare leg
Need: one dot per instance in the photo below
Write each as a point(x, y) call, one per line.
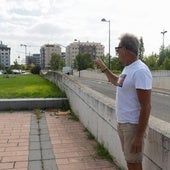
point(134, 166)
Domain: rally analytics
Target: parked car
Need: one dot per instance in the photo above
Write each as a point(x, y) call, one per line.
point(15, 71)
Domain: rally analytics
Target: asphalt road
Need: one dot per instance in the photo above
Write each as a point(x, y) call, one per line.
point(160, 102)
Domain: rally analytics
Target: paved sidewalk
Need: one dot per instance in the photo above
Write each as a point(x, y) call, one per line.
point(54, 142)
point(14, 140)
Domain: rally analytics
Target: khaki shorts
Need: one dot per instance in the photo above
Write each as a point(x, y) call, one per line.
point(126, 132)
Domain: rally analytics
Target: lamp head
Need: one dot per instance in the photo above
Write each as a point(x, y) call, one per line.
point(163, 32)
point(104, 20)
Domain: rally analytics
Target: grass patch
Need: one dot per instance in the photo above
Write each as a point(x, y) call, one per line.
point(28, 86)
point(38, 114)
point(103, 153)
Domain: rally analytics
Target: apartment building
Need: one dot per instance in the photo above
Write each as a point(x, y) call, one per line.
point(72, 50)
point(33, 59)
point(45, 54)
point(4, 56)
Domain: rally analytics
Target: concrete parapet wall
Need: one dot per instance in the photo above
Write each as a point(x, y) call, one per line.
point(97, 113)
point(161, 73)
point(161, 78)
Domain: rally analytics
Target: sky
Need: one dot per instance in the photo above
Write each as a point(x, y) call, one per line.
point(38, 22)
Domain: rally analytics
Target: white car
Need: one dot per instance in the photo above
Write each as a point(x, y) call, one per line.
point(15, 71)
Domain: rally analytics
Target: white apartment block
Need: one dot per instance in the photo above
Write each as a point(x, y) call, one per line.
point(4, 56)
point(72, 50)
point(45, 54)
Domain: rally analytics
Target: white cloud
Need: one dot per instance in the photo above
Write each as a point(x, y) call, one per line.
point(61, 21)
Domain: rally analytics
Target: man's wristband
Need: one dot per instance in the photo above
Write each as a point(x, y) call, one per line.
point(104, 69)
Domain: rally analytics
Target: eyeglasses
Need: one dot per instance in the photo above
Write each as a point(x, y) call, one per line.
point(117, 49)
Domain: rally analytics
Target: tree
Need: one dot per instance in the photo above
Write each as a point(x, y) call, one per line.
point(35, 70)
point(84, 61)
point(104, 59)
point(30, 66)
point(16, 65)
point(151, 61)
point(1, 66)
point(116, 64)
point(141, 48)
point(56, 62)
point(163, 54)
point(23, 67)
point(166, 63)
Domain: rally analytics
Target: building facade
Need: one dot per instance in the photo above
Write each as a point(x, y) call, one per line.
point(45, 54)
point(72, 50)
point(4, 56)
point(33, 59)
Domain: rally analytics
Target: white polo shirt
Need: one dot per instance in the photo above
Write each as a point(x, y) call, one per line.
point(134, 76)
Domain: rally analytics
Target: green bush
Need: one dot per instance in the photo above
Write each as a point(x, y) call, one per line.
point(35, 70)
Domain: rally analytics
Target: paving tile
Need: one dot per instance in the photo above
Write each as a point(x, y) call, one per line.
point(6, 165)
point(18, 148)
point(46, 145)
point(47, 154)
point(34, 138)
point(44, 137)
point(34, 145)
point(62, 161)
point(44, 131)
point(34, 155)
point(34, 132)
point(15, 158)
point(37, 165)
point(19, 169)
point(14, 153)
point(72, 166)
point(49, 164)
point(21, 164)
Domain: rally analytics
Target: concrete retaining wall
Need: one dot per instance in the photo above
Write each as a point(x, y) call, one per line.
point(161, 79)
point(28, 104)
point(97, 113)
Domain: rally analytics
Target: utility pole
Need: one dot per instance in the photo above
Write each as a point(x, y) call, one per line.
point(79, 55)
point(104, 20)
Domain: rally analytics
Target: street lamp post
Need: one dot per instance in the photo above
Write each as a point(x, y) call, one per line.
point(104, 20)
point(78, 57)
point(163, 32)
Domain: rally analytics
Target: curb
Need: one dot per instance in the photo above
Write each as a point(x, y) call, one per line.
point(31, 103)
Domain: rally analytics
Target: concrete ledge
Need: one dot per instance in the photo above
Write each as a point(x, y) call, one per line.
point(31, 103)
